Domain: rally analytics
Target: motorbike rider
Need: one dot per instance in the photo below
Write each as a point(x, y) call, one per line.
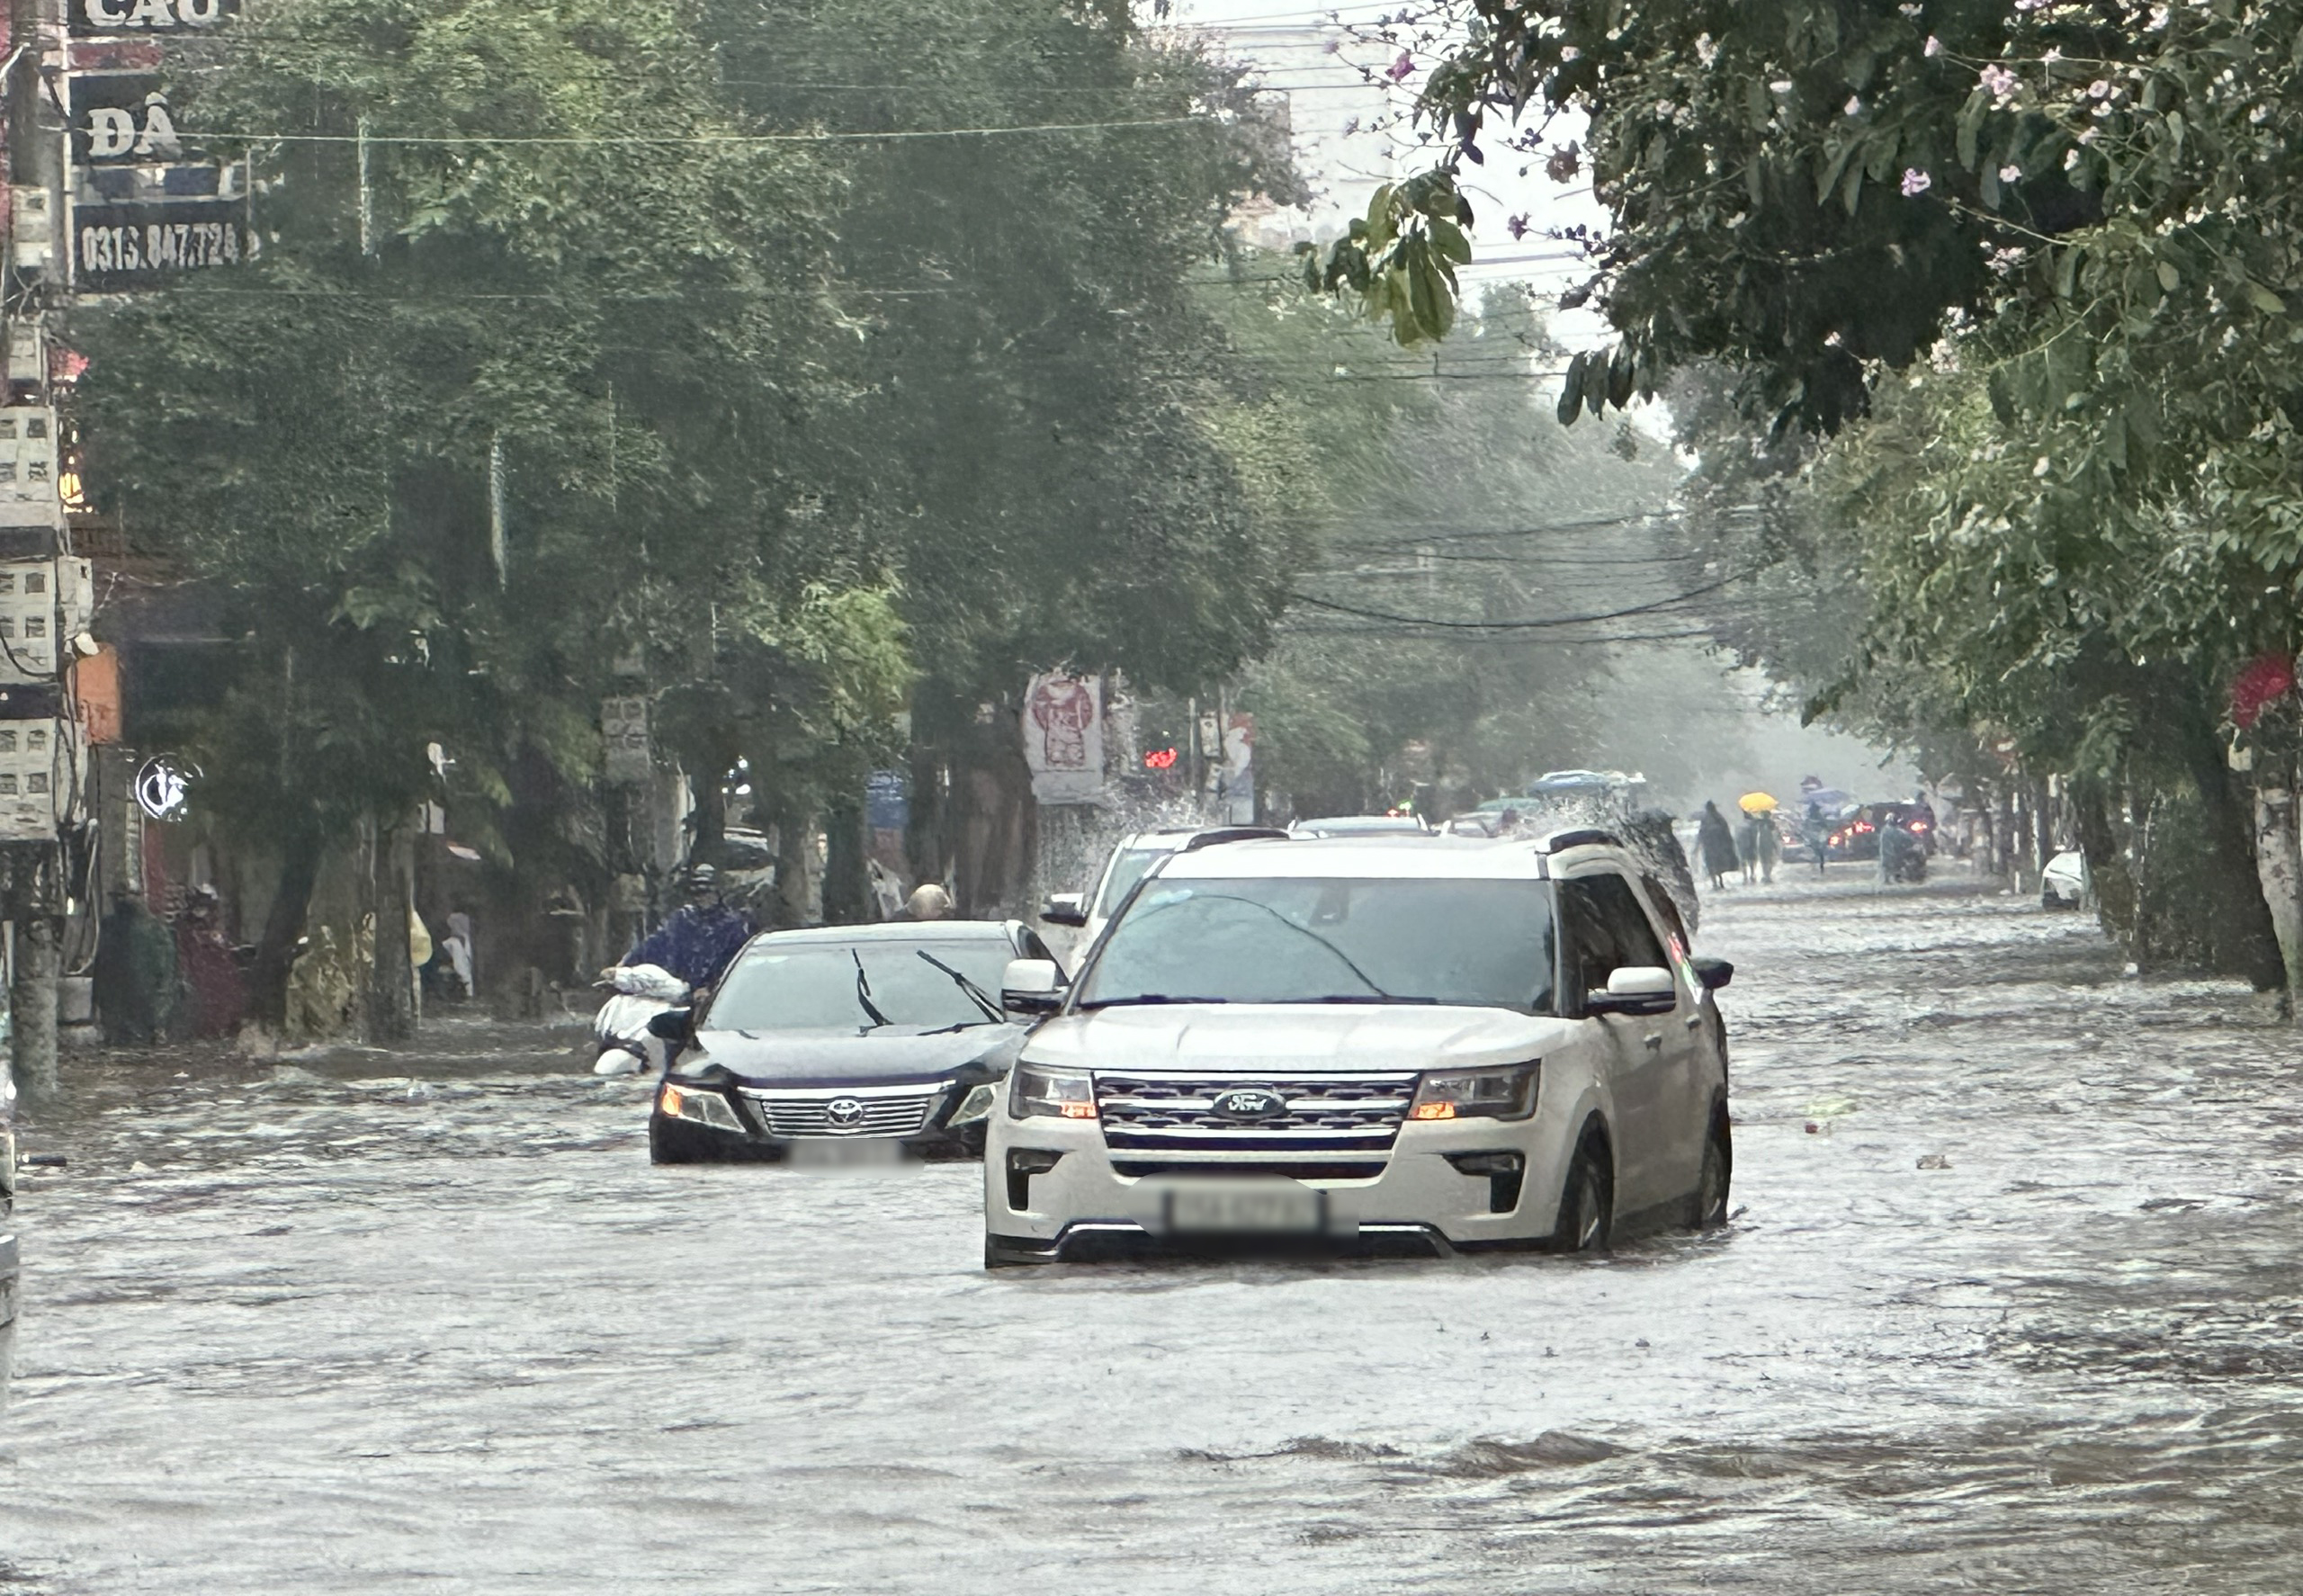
point(698, 938)
point(1900, 858)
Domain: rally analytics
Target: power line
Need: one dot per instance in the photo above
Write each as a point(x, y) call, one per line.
point(1542, 623)
point(651, 140)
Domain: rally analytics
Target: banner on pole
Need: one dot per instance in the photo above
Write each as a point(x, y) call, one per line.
point(1063, 738)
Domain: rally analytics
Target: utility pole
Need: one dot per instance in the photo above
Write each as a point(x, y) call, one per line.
point(44, 591)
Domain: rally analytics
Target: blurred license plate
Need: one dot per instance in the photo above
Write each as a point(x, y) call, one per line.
point(1267, 1208)
point(846, 1153)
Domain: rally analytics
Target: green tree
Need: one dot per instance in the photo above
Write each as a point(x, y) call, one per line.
point(531, 311)
point(2087, 214)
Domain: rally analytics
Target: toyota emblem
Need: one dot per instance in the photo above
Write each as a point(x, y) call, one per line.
point(844, 1114)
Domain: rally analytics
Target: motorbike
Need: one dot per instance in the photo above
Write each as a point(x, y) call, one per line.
point(1902, 856)
point(639, 992)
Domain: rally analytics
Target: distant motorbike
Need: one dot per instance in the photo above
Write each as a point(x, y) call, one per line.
point(626, 1046)
point(1902, 856)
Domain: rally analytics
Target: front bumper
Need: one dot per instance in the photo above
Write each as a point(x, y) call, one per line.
point(1419, 1201)
point(673, 1139)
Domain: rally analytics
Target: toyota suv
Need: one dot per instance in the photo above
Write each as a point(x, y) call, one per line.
point(1425, 1044)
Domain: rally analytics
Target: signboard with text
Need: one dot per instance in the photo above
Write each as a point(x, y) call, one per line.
point(149, 19)
point(136, 244)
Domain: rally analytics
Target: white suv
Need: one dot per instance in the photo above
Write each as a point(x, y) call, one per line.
point(1426, 1043)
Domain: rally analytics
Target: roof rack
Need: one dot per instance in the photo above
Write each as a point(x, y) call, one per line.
point(1577, 837)
point(1208, 839)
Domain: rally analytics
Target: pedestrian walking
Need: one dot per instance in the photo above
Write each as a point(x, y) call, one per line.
point(1747, 846)
point(217, 992)
point(1816, 833)
point(1716, 843)
point(134, 981)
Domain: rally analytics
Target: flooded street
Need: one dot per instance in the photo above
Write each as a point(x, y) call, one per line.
point(2012, 1302)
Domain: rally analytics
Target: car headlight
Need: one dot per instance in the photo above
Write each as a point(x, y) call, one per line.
point(701, 1103)
point(1508, 1093)
point(975, 1106)
point(1057, 1094)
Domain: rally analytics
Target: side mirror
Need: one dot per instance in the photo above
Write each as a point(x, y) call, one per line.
point(1065, 909)
point(1030, 986)
point(672, 1025)
point(1715, 974)
point(1635, 988)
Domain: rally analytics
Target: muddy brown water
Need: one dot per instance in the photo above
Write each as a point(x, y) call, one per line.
point(374, 1323)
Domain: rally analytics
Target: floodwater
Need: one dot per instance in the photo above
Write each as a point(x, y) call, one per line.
point(2019, 1312)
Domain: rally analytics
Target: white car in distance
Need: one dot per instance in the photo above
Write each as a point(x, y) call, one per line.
point(1426, 1045)
point(1131, 859)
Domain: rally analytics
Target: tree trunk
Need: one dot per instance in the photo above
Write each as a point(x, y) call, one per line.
point(925, 845)
point(796, 901)
point(33, 998)
point(391, 988)
point(275, 951)
point(848, 888)
point(2279, 865)
point(709, 818)
point(2107, 866)
point(2244, 944)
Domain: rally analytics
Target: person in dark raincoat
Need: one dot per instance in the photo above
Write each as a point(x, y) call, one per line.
point(1816, 831)
point(1715, 841)
point(212, 975)
point(701, 936)
point(135, 976)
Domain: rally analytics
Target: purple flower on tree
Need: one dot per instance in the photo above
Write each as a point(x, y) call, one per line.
point(1916, 182)
point(1516, 227)
point(1399, 70)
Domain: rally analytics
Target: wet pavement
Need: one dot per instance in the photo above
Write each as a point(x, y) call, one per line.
point(2021, 1312)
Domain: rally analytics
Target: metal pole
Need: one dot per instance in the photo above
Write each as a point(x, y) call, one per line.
point(33, 1001)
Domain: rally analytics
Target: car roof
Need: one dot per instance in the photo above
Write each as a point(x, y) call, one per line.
point(1373, 824)
point(1400, 858)
point(898, 931)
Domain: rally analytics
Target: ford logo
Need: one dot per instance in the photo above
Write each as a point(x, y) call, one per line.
point(844, 1114)
point(1247, 1102)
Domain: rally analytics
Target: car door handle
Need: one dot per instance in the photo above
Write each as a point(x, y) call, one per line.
point(1695, 1022)
point(1654, 1041)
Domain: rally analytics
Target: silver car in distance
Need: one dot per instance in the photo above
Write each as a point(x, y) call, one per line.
point(1424, 1044)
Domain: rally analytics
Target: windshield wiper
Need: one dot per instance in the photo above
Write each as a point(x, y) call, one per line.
point(1341, 957)
point(976, 994)
point(1145, 998)
point(1361, 997)
point(864, 991)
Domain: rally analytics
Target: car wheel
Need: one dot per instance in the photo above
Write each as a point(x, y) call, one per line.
point(1718, 1173)
point(1587, 1203)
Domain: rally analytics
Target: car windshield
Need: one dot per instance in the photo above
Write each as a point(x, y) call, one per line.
point(815, 986)
point(1483, 943)
point(1127, 868)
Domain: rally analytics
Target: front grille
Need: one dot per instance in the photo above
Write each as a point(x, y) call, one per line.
point(1323, 1114)
point(1294, 1169)
point(809, 1113)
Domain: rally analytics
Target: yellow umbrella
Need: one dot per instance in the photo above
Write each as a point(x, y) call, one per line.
point(1756, 802)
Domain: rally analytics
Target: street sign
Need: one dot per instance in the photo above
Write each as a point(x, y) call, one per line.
point(149, 19)
point(163, 786)
point(623, 728)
